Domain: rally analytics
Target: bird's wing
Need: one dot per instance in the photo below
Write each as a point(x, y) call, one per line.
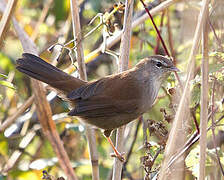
point(106, 97)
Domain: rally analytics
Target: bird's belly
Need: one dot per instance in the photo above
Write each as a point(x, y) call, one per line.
point(108, 123)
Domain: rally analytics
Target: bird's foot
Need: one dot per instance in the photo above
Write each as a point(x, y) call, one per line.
point(118, 155)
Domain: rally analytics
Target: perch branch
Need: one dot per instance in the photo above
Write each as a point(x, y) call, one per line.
point(4, 24)
point(182, 117)
point(204, 101)
point(123, 65)
point(90, 132)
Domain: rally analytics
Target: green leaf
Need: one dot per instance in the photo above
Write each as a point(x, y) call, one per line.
point(7, 84)
point(4, 149)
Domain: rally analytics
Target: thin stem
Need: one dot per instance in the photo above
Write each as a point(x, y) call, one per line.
point(170, 38)
point(157, 30)
point(4, 23)
point(182, 115)
point(19, 111)
point(216, 36)
point(114, 39)
point(156, 49)
point(43, 15)
point(191, 141)
point(162, 41)
point(123, 65)
point(43, 109)
point(195, 120)
point(213, 128)
point(90, 132)
point(204, 101)
point(133, 142)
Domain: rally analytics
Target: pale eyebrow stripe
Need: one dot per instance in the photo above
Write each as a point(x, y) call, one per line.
point(163, 63)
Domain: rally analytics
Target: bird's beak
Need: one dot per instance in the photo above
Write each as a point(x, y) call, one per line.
point(175, 69)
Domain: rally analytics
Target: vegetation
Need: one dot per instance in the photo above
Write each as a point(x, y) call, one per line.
point(181, 137)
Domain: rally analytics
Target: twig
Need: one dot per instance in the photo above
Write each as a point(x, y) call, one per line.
point(191, 141)
point(123, 65)
point(157, 30)
point(213, 128)
point(133, 143)
point(156, 155)
point(26, 140)
point(90, 132)
point(204, 101)
point(162, 41)
point(216, 36)
point(14, 158)
point(181, 117)
point(156, 48)
point(194, 118)
point(18, 112)
point(6, 18)
point(77, 37)
point(144, 128)
point(49, 128)
point(170, 39)
point(114, 39)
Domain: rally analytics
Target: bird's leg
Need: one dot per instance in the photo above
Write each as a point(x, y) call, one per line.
point(116, 153)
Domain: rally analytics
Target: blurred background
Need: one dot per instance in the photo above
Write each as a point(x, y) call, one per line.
point(48, 22)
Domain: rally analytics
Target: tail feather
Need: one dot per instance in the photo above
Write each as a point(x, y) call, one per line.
point(45, 72)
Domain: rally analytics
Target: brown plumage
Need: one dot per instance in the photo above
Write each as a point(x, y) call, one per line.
point(109, 102)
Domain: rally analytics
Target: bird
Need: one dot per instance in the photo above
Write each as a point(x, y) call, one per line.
point(111, 101)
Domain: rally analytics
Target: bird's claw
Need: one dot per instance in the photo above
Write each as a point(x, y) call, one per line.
point(120, 156)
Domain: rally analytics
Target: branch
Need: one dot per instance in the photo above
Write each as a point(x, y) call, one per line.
point(116, 38)
point(123, 65)
point(132, 145)
point(18, 112)
point(204, 101)
point(90, 132)
point(182, 117)
point(213, 128)
point(4, 24)
point(191, 141)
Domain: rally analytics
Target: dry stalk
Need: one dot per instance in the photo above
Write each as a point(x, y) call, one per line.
point(182, 117)
point(123, 65)
point(204, 100)
point(213, 127)
point(4, 24)
point(90, 132)
point(18, 112)
point(116, 38)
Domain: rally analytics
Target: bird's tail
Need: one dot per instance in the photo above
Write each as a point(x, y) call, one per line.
point(39, 69)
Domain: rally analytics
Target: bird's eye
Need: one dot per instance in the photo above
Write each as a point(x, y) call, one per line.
point(158, 64)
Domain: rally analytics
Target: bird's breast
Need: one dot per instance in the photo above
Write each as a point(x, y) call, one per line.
point(149, 95)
